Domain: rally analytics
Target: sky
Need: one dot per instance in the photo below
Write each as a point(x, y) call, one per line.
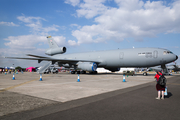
point(86, 25)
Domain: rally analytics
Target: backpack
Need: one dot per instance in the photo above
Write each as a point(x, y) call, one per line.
point(162, 80)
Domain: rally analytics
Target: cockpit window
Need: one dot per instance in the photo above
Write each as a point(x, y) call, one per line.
point(167, 52)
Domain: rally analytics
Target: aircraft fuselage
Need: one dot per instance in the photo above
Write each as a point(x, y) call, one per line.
point(137, 57)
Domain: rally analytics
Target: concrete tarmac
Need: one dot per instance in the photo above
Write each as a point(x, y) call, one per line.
point(102, 96)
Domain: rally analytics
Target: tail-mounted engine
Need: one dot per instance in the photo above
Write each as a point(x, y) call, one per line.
point(54, 51)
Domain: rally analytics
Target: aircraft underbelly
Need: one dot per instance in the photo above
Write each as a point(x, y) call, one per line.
point(112, 63)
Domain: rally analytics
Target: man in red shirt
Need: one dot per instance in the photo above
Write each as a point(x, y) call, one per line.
point(159, 88)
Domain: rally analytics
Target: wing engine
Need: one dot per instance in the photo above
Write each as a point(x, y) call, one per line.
point(87, 66)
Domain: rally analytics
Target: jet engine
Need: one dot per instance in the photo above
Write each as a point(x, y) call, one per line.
point(87, 66)
point(54, 51)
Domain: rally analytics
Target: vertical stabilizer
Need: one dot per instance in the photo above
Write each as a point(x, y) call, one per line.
point(51, 42)
point(54, 48)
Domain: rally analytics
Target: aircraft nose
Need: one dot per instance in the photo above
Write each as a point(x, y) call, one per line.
point(176, 57)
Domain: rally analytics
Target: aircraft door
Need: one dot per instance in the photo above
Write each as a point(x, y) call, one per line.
point(155, 54)
point(121, 55)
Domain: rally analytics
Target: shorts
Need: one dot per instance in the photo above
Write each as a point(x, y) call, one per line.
point(160, 88)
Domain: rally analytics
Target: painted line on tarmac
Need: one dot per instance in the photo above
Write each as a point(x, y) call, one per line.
point(12, 87)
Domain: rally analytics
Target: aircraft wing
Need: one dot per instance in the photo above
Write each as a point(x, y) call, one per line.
point(171, 67)
point(156, 68)
point(42, 58)
point(36, 56)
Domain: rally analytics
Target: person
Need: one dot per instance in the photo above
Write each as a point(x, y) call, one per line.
point(159, 88)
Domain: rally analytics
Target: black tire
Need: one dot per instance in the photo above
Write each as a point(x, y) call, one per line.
point(145, 73)
point(93, 72)
point(83, 72)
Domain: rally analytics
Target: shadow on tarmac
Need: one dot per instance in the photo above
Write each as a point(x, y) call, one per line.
point(169, 95)
point(137, 74)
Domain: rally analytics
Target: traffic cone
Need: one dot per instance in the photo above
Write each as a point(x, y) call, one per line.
point(78, 80)
point(124, 78)
point(40, 77)
point(13, 77)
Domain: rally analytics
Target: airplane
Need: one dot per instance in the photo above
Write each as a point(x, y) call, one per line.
point(175, 68)
point(112, 60)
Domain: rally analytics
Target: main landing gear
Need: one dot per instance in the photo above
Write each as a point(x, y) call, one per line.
point(145, 74)
point(78, 72)
point(83, 72)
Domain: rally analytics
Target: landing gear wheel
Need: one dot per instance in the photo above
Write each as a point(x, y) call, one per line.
point(94, 72)
point(83, 72)
point(145, 73)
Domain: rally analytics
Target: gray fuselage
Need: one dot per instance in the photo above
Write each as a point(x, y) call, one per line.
point(136, 57)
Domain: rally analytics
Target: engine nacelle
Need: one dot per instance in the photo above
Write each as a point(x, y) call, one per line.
point(87, 66)
point(54, 51)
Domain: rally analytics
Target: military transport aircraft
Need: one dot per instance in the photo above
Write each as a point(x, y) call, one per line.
point(112, 60)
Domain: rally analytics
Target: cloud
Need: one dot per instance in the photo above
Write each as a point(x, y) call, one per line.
point(60, 40)
point(28, 42)
point(91, 8)
point(131, 19)
point(36, 25)
point(72, 2)
point(130, 5)
point(8, 24)
point(24, 41)
point(72, 43)
point(75, 25)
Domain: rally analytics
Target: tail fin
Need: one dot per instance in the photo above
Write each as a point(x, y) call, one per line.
point(51, 42)
point(54, 48)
